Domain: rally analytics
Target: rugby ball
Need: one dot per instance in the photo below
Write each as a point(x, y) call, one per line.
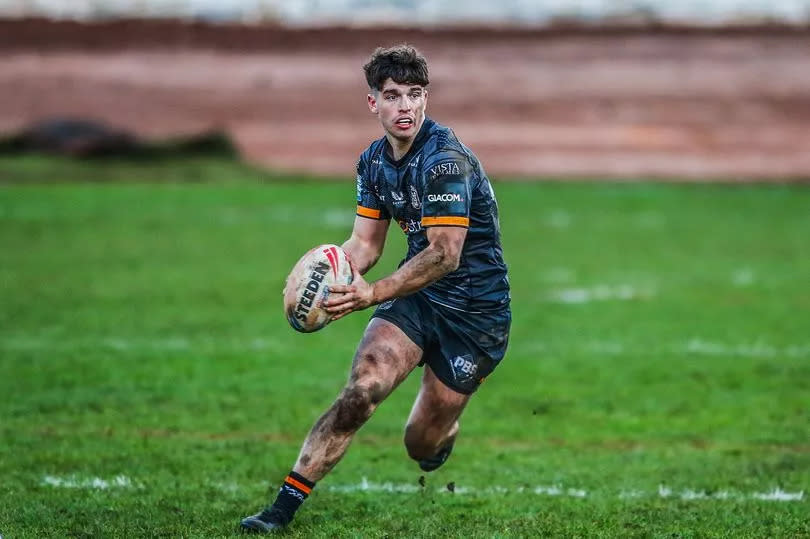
point(308, 286)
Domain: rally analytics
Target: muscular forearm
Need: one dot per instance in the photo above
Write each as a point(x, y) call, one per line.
point(424, 269)
point(363, 255)
point(440, 257)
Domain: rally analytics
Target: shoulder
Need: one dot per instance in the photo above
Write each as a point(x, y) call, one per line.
point(445, 147)
point(371, 153)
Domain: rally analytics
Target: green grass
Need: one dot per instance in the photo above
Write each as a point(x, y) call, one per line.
point(142, 336)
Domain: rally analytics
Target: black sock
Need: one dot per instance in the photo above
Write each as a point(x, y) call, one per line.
point(291, 495)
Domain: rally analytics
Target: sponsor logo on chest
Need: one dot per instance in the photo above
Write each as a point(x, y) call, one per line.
point(445, 197)
point(445, 169)
point(397, 198)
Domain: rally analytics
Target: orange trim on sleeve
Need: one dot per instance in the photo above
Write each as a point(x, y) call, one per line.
point(368, 212)
point(298, 484)
point(447, 221)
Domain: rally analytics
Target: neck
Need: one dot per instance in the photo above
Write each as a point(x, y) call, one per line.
point(399, 147)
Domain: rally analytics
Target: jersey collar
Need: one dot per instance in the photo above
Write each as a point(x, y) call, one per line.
point(418, 142)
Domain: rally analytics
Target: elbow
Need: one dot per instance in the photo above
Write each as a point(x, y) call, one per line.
point(449, 258)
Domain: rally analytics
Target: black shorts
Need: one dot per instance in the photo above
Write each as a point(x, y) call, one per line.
point(461, 348)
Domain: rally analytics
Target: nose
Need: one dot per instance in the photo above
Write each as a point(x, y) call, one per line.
point(405, 104)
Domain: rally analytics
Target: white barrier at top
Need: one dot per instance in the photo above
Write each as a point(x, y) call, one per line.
point(423, 12)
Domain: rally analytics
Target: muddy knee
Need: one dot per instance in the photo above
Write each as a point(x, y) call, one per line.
point(355, 405)
point(419, 444)
point(424, 442)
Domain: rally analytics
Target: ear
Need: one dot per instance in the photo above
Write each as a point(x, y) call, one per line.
point(372, 103)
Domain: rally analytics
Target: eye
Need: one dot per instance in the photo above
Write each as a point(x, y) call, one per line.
point(390, 97)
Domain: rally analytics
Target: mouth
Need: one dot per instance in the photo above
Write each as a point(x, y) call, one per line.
point(404, 123)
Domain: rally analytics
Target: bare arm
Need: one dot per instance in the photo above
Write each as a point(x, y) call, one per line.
point(366, 243)
point(438, 259)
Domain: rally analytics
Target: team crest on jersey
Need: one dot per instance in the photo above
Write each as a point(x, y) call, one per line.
point(415, 202)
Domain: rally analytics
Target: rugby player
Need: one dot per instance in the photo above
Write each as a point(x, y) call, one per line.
point(447, 305)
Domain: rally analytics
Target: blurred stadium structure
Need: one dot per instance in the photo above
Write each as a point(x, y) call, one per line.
point(424, 12)
point(716, 89)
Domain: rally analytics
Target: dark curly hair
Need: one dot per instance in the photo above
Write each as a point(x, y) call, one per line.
point(401, 63)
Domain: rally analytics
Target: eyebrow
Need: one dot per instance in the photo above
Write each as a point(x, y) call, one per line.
point(395, 91)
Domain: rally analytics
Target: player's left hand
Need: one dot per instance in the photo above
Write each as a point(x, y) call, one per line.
point(345, 299)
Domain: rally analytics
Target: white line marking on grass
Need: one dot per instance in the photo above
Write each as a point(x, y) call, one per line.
point(548, 491)
point(555, 490)
point(558, 219)
point(367, 486)
point(742, 277)
point(663, 491)
point(126, 344)
point(337, 218)
point(333, 217)
point(170, 343)
point(778, 495)
point(690, 494)
point(649, 220)
point(261, 344)
point(755, 349)
point(96, 483)
point(608, 348)
point(624, 292)
point(229, 487)
point(558, 275)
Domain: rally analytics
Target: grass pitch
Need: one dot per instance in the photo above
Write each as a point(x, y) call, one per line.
point(657, 382)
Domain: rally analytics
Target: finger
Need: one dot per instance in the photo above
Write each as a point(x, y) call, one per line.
point(341, 314)
point(337, 299)
point(340, 307)
point(341, 289)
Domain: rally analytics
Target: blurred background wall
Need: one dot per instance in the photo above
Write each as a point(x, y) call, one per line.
point(423, 12)
point(685, 90)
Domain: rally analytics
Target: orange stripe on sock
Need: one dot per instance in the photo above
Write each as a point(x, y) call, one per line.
point(368, 212)
point(298, 484)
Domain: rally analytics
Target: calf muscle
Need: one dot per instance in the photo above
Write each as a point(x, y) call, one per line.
point(384, 358)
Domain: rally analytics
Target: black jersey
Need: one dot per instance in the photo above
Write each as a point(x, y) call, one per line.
point(440, 182)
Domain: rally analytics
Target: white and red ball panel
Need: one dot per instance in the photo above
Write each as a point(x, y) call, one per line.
point(308, 286)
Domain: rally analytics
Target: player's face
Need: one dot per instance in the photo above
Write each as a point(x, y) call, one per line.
point(400, 108)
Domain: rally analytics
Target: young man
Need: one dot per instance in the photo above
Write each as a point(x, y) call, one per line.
point(447, 306)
